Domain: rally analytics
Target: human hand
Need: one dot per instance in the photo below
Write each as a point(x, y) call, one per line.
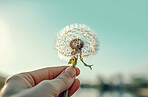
point(46, 82)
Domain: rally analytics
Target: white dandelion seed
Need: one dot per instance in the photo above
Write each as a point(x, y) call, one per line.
point(78, 37)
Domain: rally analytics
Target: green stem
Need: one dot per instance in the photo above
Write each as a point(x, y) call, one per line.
point(72, 61)
point(65, 94)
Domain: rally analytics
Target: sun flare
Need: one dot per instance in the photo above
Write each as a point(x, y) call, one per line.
point(3, 36)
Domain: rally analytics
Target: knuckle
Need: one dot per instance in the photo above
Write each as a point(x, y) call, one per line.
point(11, 78)
point(18, 77)
point(50, 87)
point(64, 79)
point(46, 83)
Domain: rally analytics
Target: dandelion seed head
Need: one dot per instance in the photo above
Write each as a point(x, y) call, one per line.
point(78, 37)
point(76, 44)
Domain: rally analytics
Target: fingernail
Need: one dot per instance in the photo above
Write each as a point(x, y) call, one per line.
point(70, 71)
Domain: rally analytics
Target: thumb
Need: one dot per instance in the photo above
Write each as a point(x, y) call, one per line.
point(52, 88)
point(64, 81)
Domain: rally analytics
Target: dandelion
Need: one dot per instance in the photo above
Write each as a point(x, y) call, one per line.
point(76, 40)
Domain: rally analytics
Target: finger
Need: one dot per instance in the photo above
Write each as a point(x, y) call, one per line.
point(74, 87)
point(48, 73)
point(34, 77)
point(77, 71)
point(56, 86)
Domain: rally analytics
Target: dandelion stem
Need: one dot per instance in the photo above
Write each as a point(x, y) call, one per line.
point(72, 61)
point(65, 94)
point(90, 66)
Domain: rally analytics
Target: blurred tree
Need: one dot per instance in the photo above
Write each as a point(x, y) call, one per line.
point(139, 83)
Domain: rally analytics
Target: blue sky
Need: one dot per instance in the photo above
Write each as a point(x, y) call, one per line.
point(28, 30)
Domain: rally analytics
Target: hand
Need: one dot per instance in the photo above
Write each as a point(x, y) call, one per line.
point(47, 82)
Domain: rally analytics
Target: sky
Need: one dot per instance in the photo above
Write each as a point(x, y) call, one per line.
point(28, 31)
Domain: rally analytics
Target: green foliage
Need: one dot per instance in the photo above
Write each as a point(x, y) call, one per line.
point(139, 83)
point(2, 81)
point(1, 84)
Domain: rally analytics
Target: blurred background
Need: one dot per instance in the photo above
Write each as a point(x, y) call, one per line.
point(28, 31)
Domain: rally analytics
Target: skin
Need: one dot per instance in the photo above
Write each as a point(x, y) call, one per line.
point(32, 84)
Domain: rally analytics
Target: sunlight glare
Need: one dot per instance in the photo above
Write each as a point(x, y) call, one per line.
point(3, 36)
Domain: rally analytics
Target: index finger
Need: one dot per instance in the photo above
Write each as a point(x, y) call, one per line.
point(47, 74)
